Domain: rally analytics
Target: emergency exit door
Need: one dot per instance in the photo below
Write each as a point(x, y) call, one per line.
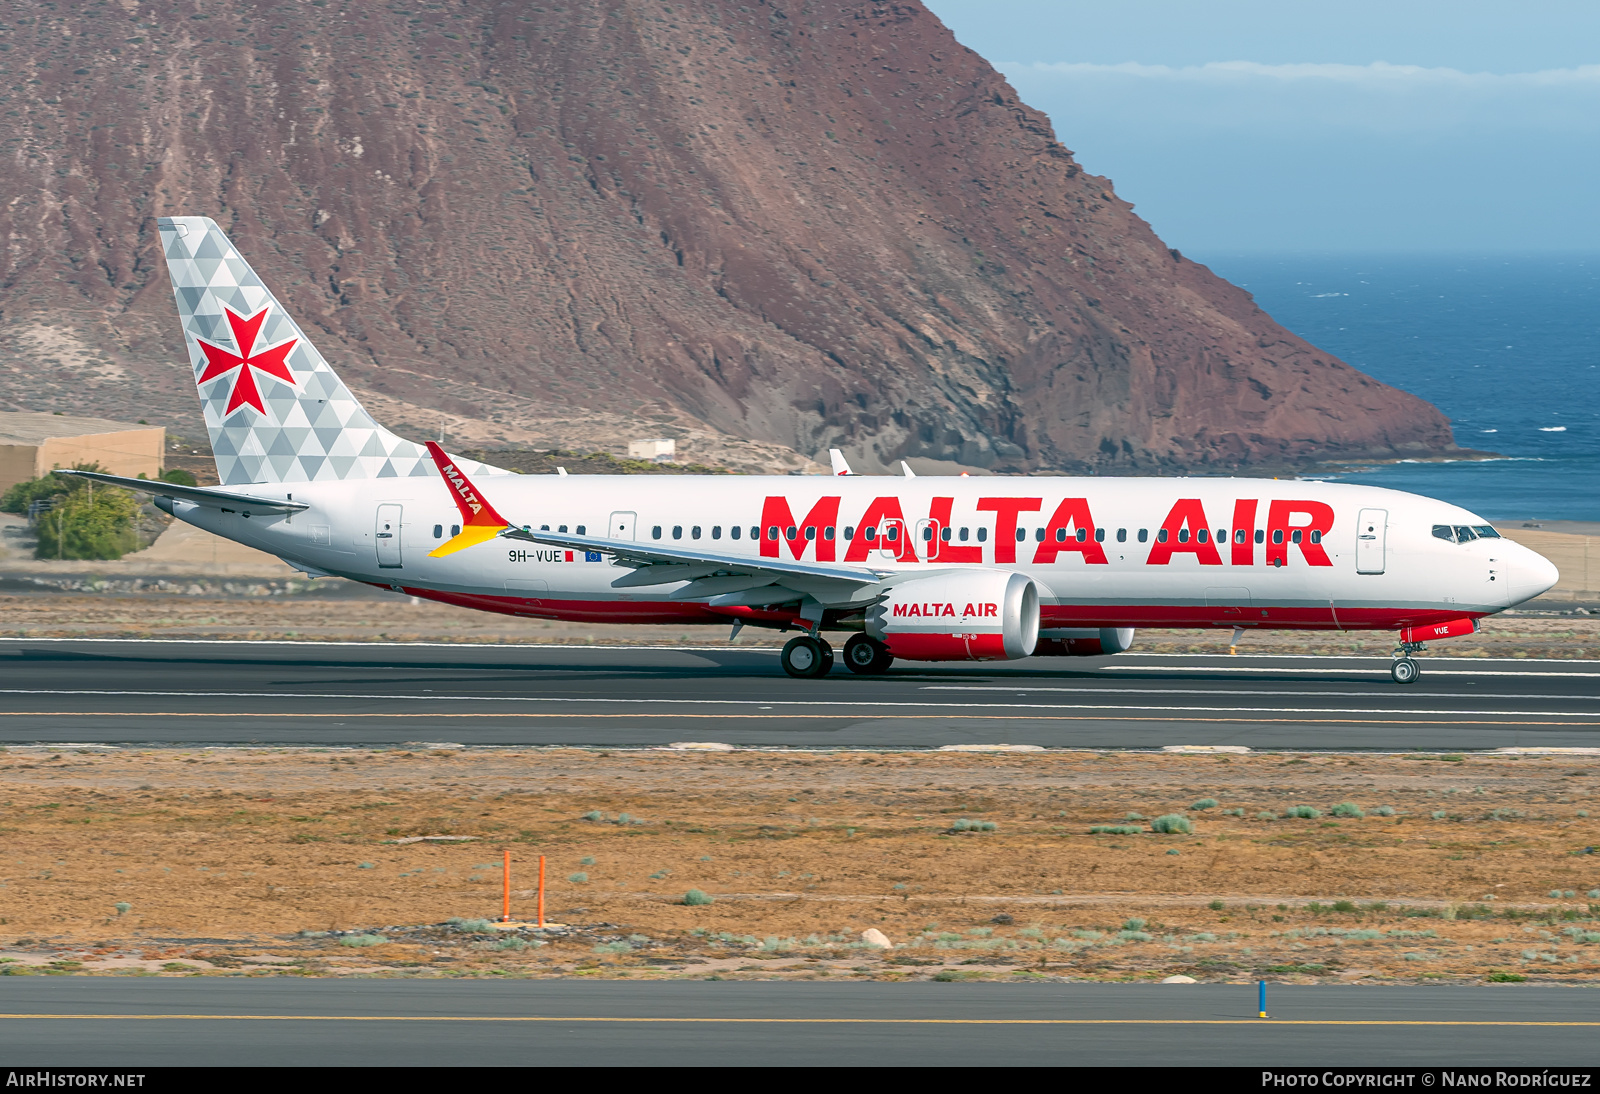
point(387, 536)
point(1370, 540)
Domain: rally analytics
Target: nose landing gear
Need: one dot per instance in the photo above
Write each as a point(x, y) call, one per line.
point(1404, 670)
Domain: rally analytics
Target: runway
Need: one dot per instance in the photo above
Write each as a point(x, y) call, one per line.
point(208, 1021)
point(371, 695)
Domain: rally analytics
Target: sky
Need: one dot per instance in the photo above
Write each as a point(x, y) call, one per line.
point(1288, 126)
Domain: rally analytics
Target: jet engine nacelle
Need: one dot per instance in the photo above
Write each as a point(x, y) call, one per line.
point(978, 615)
point(1083, 641)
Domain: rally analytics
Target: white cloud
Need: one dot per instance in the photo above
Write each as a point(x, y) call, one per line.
point(1247, 95)
point(1376, 74)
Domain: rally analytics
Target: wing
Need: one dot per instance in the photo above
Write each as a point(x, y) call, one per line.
point(209, 496)
point(715, 575)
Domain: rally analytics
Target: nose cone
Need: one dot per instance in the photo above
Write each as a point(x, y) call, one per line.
point(1529, 574)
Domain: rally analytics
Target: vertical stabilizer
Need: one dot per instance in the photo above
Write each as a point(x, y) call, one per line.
point(276, 410)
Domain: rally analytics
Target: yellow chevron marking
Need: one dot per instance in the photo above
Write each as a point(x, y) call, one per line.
point(471, 536)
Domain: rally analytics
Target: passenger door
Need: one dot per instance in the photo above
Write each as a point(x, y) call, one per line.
point(387, 536)
point(622, 526)
point(1370, 533)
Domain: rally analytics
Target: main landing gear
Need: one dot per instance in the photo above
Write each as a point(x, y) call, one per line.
point(1405, 670)
point(867, 656)
point(806, 657)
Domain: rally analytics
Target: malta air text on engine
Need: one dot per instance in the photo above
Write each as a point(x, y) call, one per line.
point(934, 611)
point(1250, 537)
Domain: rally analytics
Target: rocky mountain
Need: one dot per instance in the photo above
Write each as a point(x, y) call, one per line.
point(764, 226)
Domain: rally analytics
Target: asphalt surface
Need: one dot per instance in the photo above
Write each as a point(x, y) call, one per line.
point(323, 694)
point(409, 1023)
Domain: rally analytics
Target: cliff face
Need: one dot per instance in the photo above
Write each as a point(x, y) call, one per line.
point(800, 222)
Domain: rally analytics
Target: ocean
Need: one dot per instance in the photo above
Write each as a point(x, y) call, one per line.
point(1508, 348)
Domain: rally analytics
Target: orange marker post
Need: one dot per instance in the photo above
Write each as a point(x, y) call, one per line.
point(541, 890)
point(505, 890)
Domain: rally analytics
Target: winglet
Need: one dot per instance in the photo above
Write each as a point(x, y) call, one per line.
point(837, 459)
point(479, 521)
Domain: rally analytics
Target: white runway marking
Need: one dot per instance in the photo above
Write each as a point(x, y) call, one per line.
point(756, 703)
point(1392, 693)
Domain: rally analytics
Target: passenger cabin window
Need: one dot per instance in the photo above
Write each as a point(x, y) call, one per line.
point(869, 534)
point(828, 532)
point(716, 531)
point(983, 535)
point(1238, 535)
point(561, 528)
point(694, 533)
point(1261, 535)
point(772, 531)
point(1122, 535)
point(1316, 536)
point(1061, 535)
point(849, 531)
point(734, 532)
point(677, 531)
point(1161, 536)
point(790, 532)
point(755, 532)
point(1203, 535)
point(1022, 534)
point(582, 531)
point(544, 527)
point(892, 534)
point(1296, 536)
point(438, 531)
point(945, 534)
point(655, 533)
point(1038, 534)
point(963, 535)
point(1144, 535)
point(1277, 535)
point(811, 532)
point(455, 530)
point(1099, 535)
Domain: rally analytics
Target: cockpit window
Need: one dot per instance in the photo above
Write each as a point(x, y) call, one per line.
point(1462, 533)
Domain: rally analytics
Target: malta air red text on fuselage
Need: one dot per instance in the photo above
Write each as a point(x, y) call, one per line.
point(1290, 526)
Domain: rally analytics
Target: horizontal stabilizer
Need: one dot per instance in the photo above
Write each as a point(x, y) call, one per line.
point(210, 497)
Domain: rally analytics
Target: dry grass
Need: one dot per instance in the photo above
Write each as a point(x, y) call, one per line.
point(223, 856)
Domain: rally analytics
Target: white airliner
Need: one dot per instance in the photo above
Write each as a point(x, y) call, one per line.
point(924, 569)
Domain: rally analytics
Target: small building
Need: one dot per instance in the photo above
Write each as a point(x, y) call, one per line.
point(33, 444)
point(659, 449)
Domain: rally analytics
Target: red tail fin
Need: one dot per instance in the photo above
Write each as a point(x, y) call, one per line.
point(475, 508)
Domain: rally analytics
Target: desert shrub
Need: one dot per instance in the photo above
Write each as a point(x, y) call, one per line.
point(123, 907)
point(1302, 812)
point(1344, 906)
point(1384, 811)
point(89, 524)
point(1216, 905)
point(1134, 817)
point(1266, 815)
point(1347, 809)
point(1134, 924)
point(362, 940)
point(1114, 830)
point(1135, 936)
point(471, 926)
point(578, 878)
point(1205, 803)
point(586, 860)
point(1172, 823)
point(1506, 814)
point(619, 946)
point(694, 898)
point(1438, 814)
point(1506, 978)
point(512, 942)
point(1593, 894)
point(593, 815)
point(965, 825)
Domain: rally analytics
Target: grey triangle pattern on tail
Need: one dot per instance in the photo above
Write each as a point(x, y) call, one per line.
point(312, 430)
